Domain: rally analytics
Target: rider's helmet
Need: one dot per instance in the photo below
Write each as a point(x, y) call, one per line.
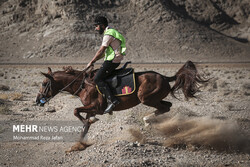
point(100, 20)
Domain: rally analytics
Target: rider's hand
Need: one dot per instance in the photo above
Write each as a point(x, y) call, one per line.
point(90, 64)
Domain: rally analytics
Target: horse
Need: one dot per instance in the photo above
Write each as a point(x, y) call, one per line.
point(151, 89)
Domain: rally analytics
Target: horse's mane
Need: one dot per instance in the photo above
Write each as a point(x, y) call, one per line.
point(70, 70)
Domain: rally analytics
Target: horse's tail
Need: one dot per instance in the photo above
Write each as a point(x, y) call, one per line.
point(188, 79)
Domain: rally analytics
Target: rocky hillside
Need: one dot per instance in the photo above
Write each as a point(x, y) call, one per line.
point(62, 31)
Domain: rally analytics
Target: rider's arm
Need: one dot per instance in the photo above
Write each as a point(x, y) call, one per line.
point(107, 39)
point(99, 54)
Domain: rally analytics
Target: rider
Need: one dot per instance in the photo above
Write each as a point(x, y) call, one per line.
point(113, 50)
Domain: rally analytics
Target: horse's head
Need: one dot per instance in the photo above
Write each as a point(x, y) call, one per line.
point(48, 90)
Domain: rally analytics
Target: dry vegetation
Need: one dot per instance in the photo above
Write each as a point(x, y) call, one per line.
point(11, 96)
point(6, 97)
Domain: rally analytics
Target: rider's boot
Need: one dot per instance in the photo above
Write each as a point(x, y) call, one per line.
point(111, 99)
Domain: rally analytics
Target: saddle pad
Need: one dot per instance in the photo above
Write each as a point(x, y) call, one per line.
point(126, 85)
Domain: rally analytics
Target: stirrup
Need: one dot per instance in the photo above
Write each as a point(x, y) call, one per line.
point(111, 106)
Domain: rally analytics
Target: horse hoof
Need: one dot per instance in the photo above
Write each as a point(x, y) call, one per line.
point(146, 124)
point(147, 119)
point(79, 146)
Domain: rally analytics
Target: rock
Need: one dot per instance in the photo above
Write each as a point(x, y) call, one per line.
point(50, 109)
point(4, 87)
point(1, 101)
point(25, 109)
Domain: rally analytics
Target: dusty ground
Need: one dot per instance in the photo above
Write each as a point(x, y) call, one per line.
point(211, 131)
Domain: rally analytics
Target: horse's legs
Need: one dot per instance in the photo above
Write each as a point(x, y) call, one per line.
point(81, 145)
point(86, 127)
point(163, 107)
point(85, 131)
point(151, 92)
point(89, 117)
point(87, 109)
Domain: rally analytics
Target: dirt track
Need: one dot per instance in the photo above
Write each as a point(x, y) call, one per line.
point(211, 131)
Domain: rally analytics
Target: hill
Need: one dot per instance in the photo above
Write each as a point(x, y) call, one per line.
point(61, 31)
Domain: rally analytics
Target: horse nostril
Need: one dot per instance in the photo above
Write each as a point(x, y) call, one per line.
point(38, 97)
point(40, 100)
point(37, 101)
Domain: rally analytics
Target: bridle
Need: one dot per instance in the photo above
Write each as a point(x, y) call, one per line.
point(48, 86)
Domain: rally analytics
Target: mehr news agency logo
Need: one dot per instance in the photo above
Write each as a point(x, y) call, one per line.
point(43, 132)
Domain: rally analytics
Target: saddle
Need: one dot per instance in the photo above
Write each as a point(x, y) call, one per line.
point(121, 81)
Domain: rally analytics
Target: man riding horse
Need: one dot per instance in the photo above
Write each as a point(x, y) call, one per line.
point(113, 50)
point(151, 87)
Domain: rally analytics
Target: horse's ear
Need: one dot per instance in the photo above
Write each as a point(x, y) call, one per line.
point(49, 71)
point(47, 76)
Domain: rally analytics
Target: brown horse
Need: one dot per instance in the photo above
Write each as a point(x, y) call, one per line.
point(151, 89)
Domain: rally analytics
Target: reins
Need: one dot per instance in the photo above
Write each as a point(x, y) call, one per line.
point(83, 71)
point(48, 85)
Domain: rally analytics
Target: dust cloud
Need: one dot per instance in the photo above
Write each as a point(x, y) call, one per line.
point(137, 136)
point(203, 132)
